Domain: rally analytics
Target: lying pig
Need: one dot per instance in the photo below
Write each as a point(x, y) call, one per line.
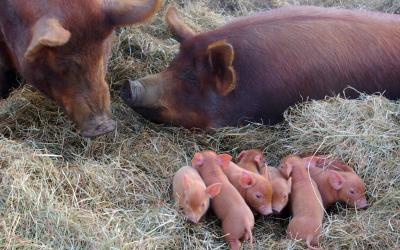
point(191, 193)
point(305, 199)
point(254, 161)
point(334, 186)
point(229, 206)
point(256, 189)
point(254, 68)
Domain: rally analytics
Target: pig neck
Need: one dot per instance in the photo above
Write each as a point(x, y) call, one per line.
point(329, 195)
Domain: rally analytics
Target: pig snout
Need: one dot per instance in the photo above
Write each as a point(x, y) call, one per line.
point(265, 210)
point(361, 204)
point(132, 92)
point(193, 218)
point(97, 125)
point(277, 209)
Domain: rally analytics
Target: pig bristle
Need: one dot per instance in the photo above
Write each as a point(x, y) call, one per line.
point(60, 191)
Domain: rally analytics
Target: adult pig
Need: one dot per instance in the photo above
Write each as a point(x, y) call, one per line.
point(254, 68)
point(61, 47)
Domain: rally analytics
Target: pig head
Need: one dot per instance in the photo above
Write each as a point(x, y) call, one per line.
point(62, 48)
point(203, 70)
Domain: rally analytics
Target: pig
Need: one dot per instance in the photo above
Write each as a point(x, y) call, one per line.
point(62, 48)
point(254, 161)
point(306, 203)
point(334, 186)
point(254, 188)
point(191, 193)
point(229, 206)
point(253, 69)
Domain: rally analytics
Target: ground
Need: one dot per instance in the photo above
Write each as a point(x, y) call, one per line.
point(61, 191)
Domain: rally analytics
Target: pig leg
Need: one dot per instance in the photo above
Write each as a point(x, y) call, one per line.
point(233, 232)
point(8, 76)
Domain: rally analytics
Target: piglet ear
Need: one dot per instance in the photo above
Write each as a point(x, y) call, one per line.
point(286, 169)
point(224, 160)
point(197, 160)
point(186, 182)
point(246, 180)
point(220, 63)
point(214, 189)
point(289, 183)
point(335, 180)
point(240, 156)
point(266, 172)
point(258, 159)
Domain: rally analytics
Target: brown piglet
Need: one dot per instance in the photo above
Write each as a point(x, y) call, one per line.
point(191, 193)
point(254, 188)
point(229, 206)
point(334, 186)
point(253, 160)
point(306, 204)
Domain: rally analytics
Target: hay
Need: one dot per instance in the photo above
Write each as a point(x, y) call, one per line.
point(60, 191)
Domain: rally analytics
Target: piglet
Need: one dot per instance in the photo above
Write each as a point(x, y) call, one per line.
point(229, 206)
point(306, 203)
point(191, 193)
point(254, 161)
point(345, 186)
point(254, 188)
point(323, 161)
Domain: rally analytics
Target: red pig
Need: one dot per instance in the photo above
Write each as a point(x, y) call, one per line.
point(62, 47)
point(254, 68)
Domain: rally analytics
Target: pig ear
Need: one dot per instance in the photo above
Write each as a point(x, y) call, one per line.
point(220, 59)
point(246, 180)
point(286, 169)
point(335, 180)
point(240, 156)
point(266, 173)
point(214, 189)
point(289, 182)
point(258, 159)
point(224, 160)
point(177, 26)
point(186, 182)
point(127, 12)
point(47, 32)
point(197, 160)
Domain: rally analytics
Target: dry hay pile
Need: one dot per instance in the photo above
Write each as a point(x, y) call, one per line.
point(60, 191)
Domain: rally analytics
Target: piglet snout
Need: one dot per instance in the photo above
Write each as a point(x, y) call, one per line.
point(362, 204)
point(265, 210)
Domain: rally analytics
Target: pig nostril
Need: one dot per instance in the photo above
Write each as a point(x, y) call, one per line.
point(132, 92)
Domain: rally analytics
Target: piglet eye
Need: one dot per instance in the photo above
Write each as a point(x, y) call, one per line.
point(203, 205)
point(352, 192)
point(258, 196)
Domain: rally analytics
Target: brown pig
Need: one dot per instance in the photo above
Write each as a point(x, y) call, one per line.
point(305, 199)
point(256, 189)
point(334, 186)
point(191, 193)
point(229, 206)
point(254, 161)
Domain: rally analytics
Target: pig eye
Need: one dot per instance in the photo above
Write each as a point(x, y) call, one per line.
point(203, 205)
point(351, 192)
point(258, 196)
